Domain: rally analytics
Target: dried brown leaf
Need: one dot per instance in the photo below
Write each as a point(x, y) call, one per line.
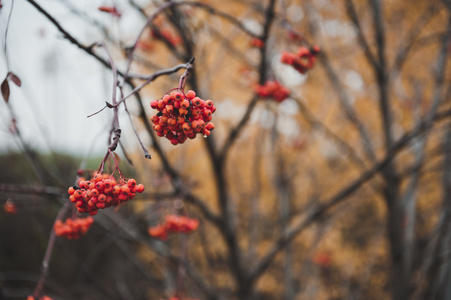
point(5, 90)
point(15, 79)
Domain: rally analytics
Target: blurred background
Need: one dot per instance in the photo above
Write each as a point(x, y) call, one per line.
point(340, 191)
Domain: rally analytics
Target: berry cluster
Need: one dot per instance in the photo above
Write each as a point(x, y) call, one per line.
point(73, 228)
point(303, 60)
point(181, 116)
point(322, 260)
point(144, 45)
point(102, 191)
point(294, 36)
point(173, 223)
point(40, 298)
point(166, 35)
point(10, 208)
point(257, 43)
point(273, 89)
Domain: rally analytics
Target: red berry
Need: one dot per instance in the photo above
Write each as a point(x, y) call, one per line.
point(210, 126)
point(167, 99)
point(178, 96)
point(131, 182)
point(209, 103)
point(125, 190)
point(184, 104)
point(71, 190)
point(190, 95)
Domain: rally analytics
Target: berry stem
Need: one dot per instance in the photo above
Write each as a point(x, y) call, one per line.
point(146, 153)
point(189, 67)
point(116, 165)
point(154, 76)
point(48, 252)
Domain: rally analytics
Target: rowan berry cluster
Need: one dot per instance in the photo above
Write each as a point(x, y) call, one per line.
point(303, 60)
point(273, 89)
point(323, 260)
point(102, 191)
point(73, 228)
point(173, 223)
point(40, 298)
point(166, 35)
point(10, 208)
point(257, 43)
point(181, 116)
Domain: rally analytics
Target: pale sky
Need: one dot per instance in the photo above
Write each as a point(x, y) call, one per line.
point(61, 85)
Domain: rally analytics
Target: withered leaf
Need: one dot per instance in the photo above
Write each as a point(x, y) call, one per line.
point(5, 90)
point(15, 79)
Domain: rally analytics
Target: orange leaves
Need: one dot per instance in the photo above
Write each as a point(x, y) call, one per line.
point(173, 223)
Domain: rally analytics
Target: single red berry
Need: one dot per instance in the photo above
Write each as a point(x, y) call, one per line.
point(178, 96)
point(167, 99)
point(190, 95)
point(140, 188)
point(71, 190)
point(210, 126)
point(78, 194)
point(95, 193)
point(102, 198)
point(209, 103)
point(99, 185)
point(131, 182)
point(116, 190)
point(207, 113)
point(155, 119)
point(125, 190)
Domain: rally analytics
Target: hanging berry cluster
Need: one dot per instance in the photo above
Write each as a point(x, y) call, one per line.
point(173, 223)
point(166, 35)
point(257, 43)
point(303, 60)
point(73, 228)
point(10, 208)
point(273, 89)
point(102, 191)
point(181, 116)
point(40, 298)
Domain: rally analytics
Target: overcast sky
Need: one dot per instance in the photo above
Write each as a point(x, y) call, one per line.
point(61, 85)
